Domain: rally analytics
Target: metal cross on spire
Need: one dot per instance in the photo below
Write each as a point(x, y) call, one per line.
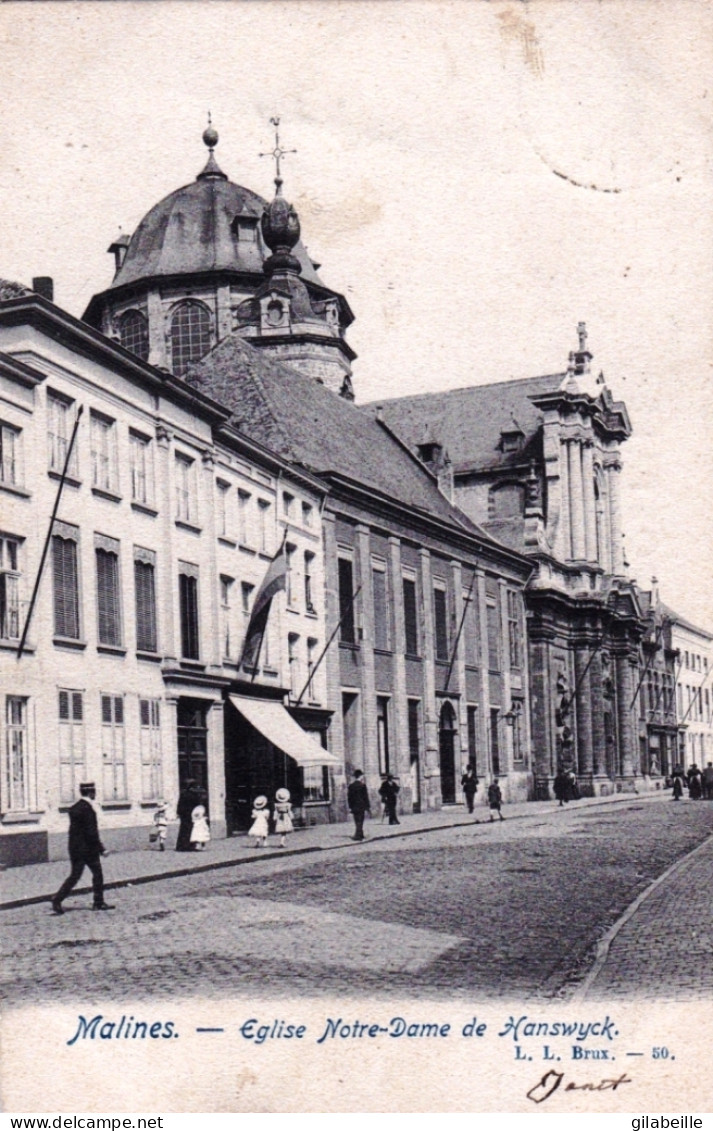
point(278, 152)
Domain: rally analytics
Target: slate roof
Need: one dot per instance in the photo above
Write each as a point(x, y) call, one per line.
point(468, 422)
point(308, 425)
point(687, 624)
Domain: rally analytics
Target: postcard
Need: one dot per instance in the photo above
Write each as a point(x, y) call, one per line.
point(356, 628)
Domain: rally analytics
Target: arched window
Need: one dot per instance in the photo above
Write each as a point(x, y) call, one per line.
point(190, 335)
point(134, 333)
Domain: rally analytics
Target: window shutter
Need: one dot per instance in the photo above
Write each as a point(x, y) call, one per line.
point(346, 605)
point(188, 592)
point(410, 616)
point(66, 596)
point(145, 606)
point(108, 597)
point(440, 617)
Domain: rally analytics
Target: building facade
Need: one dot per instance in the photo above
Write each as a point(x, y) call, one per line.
point(694, 696)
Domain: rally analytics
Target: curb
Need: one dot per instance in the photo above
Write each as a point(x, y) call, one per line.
point(604, 945)
point(179, 873)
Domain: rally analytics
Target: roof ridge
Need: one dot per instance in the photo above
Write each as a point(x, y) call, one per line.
point(461, 389)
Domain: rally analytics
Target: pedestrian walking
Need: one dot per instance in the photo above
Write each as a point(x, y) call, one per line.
point(190, 796)
point(85, 850)
point(283, 815)
point(495, 799)
point(160, 823)
point(695, 789)
point(708, 782)
point(677, 787)
point(259, 828)
point(572, 787)
point(469, 785)
point(560, 787)
point(200, 830)
point(388, 792)
point(358, 802)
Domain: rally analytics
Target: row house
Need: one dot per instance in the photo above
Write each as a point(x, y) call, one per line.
point(167, 523)
point(694, 694)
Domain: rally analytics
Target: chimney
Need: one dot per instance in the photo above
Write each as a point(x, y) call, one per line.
point(43, 286)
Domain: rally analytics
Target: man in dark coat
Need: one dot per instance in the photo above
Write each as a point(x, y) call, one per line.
point(190, 796)
point(358, 802)
point(85, 850)
point(388, 792)
point(469, 785)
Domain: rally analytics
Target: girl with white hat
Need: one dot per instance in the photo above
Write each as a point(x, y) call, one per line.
point(283, 815)
point(260, 816)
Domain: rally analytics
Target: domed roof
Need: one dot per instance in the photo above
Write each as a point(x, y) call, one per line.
point(197, 229)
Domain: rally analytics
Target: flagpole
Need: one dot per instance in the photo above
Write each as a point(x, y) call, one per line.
point(460, 629)
point(60, 485)
point(323, 653)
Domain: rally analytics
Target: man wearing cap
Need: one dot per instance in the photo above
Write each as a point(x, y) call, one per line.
point(85, 849)
point(358, 802)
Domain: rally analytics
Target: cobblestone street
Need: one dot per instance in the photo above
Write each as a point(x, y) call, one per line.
point(511, 909)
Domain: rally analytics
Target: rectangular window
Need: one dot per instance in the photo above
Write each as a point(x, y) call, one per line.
point(105, 469)
point(188, 601)
point(347, 630)
point(186, 505)
point(244, 517)
point(514, 629)
point(59, 431)
point(10, 462)
point(246, 592)
point(382, 733)
point(471, 642)
point(9, 589)
point(145, 589)
point(440, 620)
point(518, 749)
point(311, 660)
point(264, 532)
point(113, 748)
point(290, 574)
point(309, 563)
point(65, 582)
point(72, 761)
point(380, 590)
point(108, 591)
point(472, 715)
point(307, 510)
point(410, 616)
point(287, 504)
point(315, 783)
point(494, 631)
point(141, 459)
point(16, 784)
point(226, 586)
point(150, 745)
point(495, 740)
point(223, 517)
point(293, 643)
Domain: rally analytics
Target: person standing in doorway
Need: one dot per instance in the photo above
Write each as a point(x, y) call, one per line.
point(388, 792)
point(469, 785)
point(358, 802)
point(85, 850)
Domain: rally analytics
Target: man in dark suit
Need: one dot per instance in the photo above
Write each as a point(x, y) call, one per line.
point(388, 793)
point(358, 802)
point(85, 849)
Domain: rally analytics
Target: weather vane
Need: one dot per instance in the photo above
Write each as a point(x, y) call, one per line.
point(278, 152)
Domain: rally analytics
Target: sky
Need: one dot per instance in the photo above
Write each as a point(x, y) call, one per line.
point(475, 177)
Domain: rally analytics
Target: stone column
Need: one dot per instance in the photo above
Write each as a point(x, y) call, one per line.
point(599, 754)
point(624, 684)
point(166, 581)
point(213, 646)
point(576, 500)
point(506, 732)
point(365, 617)
point(457, 680)
point(402, 761)
point(590, 514)
point(583, 706)
point(617, 549)
point(565, 523)
point(216, 767)
point(431, 759)
point(479, 593)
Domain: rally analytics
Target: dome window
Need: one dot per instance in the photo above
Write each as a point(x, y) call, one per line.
point(134, 333)
point(245, 228)
point(190, 335)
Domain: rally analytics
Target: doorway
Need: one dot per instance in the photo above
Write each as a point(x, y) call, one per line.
point(193, 743)
point(446, 745)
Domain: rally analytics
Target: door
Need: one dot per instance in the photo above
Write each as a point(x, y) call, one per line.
point(446, 742)
point(193, 743)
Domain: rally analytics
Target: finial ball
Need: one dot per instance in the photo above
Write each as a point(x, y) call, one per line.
point(210, 137)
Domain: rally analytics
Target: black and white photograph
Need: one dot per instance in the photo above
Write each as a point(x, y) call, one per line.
point(356, 620)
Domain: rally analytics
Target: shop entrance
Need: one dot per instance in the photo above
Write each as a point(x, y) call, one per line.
point(193, 743)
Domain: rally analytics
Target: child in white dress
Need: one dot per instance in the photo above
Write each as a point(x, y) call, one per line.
point(200, 833)
point(283, 815)
point(259, 827)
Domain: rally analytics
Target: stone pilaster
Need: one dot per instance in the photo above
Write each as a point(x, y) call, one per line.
point(431, 759)
point(599, 755)
point(583, 703)
point(576, 498)
point(563, 548)
point(627, 753)
point(617, 549)
point(365, 618)
point(166, 560)
point(590, 516)
point(402, 760)
point(506, 732)
point(212, 648)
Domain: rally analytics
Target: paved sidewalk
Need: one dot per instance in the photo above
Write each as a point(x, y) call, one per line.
point(662, 946)
point(36, 883)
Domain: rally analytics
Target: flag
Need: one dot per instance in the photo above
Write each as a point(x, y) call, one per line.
point(274, 580)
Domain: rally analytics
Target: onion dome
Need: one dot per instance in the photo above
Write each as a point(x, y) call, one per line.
point(281, 231)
